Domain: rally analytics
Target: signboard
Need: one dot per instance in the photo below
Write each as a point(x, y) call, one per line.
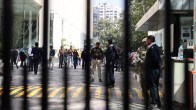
point(186, 32)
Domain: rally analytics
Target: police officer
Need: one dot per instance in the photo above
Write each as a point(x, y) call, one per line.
point(142, 54)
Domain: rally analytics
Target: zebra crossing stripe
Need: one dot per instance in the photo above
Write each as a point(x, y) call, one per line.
point(109, 92)
point(139, 93)
point(16, 90)
point(98, 92)
point(137, 106)
point(69, 89)
point(40, 95)
point(54, 93)
point(22, 93)
point(34, 92)
point(77, 92)
point(130, 95)
point(118, 92)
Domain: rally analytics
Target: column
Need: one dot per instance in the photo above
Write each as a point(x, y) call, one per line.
point(30, 28)
point(23, 29)
point(37, 28)
point(41, 15)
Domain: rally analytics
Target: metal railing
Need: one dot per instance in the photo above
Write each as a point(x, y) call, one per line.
point(7, 41)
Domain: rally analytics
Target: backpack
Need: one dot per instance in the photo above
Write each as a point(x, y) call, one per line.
point(113, 54)
point(14, 53)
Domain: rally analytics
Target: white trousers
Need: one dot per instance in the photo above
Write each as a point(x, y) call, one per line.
point(96, 63)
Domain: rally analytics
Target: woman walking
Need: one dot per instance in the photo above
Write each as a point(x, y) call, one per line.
point(75, 58)
point(22, 56)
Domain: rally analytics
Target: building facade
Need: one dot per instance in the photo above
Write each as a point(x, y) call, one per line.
point(67, 23)
point(107, 11)
point(27, 22)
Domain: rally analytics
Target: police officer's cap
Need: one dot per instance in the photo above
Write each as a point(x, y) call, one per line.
point(145, 39)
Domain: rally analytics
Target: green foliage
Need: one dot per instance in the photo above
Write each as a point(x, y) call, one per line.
point(108, 30)
point(137, 10)
point(115, 30)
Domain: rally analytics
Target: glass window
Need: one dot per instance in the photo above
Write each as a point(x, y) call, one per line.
point(187, 22)
point(182, 4)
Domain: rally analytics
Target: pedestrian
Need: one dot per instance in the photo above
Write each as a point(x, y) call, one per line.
point(61, 57)
point(121, 57)
point(83, 57)
point(36, 51)
point(22, 57)
point(41, 55)
point(96, 55)
point(30, 59)
point(75, 58)
point(79, 57)
point(14, 55)
point(117, 62)
point(111, 54)
point(65, 57)
point(70, 57)
point(152, 66)
point(142, 54)
point(18, 57)
point(52, 54)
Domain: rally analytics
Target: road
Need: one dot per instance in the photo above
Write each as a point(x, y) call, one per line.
point(76, 90)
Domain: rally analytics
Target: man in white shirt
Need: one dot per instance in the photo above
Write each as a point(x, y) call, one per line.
point(30, 59)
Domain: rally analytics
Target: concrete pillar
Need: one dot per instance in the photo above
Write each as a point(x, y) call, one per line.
point(41, 21)
point(37, 28)
point(23, 30)
point(30, 29)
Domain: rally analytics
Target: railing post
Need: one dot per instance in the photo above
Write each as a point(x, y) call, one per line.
point(87, 61)
point(127, 38)
point(7, 45)
point(44, 57)
point(168, 75)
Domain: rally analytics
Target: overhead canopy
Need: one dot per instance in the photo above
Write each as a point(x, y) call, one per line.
point(153, 19)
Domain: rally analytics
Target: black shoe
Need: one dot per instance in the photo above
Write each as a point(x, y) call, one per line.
point(100, 80)
point(159, 105)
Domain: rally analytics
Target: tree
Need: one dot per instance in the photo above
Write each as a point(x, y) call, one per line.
point(108, 30)
point(137, 10)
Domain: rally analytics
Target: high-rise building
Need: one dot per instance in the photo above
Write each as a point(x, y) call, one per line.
point(106, 11)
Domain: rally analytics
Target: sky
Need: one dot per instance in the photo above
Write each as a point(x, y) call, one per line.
point(118, 3)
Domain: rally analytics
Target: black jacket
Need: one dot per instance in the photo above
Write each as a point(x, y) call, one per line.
point(36, 53)
point(153, 59)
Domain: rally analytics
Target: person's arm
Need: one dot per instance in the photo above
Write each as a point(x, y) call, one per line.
point(102, 54)
point(54, 53)
point(155, 56)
